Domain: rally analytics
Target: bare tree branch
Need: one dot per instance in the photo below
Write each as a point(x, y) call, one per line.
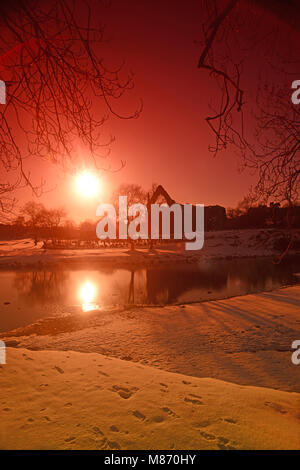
point(58, 87)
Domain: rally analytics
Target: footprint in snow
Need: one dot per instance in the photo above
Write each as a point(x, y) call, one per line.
point(169, 412)
point(113, 445)
point(208, 436)
point(193, 401)
point(276, 407)
point(114, 429)
point(124, 392)
point(230, 420)
point(139, 415)
point(97, 430)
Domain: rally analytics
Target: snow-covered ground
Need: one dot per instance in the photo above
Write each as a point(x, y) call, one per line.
point(71, 400)
point(246, 339)
point(220, 244)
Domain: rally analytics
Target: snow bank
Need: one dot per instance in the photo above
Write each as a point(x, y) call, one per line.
point(217, 245)
point(71, 400)
point(246, 339)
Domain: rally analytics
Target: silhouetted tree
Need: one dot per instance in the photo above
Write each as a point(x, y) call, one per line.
point(37, 217)
point(234, 35)
point(58, 87)
point(134, 192)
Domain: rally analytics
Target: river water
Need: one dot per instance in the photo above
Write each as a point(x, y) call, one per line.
point(27, 295)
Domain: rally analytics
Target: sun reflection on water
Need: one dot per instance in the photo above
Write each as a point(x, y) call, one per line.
point(87, 294)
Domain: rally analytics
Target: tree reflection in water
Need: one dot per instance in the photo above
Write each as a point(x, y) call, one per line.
point(131, 288)
point(165, 286)
point(41, 287)
point(217, 279)
point(154, 285)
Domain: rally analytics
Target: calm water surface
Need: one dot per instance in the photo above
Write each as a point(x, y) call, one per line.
point(26, 296)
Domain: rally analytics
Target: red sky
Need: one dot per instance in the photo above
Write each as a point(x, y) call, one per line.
point(168, 143)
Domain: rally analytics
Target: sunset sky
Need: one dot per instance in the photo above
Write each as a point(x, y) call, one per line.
point(168, 143)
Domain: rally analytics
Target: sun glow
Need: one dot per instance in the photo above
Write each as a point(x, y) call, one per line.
point(87, 184)
point(87, 294)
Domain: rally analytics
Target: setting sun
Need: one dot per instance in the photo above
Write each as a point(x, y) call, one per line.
point(87, 184)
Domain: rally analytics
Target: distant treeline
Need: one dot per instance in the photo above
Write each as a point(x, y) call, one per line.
point(39, 223)
point(264, 216)
point(86, 231)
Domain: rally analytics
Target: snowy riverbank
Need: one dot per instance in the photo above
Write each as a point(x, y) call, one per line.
point(217, 245)
point(245, 339)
